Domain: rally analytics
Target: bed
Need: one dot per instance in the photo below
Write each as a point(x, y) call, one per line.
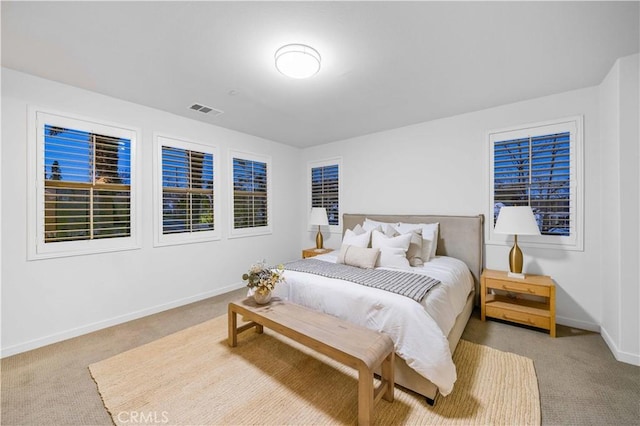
point(425, 333)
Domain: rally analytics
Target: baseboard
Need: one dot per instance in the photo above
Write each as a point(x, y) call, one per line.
point(75, 332)
point(582, 325)
point(626, 357)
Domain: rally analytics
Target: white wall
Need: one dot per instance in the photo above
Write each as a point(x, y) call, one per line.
point(629, 208)
point(609, 97)
point(48, 300)
point(619, 99)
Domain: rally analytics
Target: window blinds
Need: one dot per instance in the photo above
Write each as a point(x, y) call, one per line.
point(536, 171)
point(87, 185)
point(249, 193)
point(325, 191)
point(187, 191)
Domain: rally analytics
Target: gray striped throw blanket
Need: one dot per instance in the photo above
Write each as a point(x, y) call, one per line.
point(414, 286)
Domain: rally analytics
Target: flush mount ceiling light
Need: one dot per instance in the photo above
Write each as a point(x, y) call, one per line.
point(297, 60)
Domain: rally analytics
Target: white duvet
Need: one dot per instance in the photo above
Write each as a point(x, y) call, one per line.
point(418, 330)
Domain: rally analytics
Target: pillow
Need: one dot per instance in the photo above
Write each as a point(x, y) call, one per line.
point(370, 225)
point(388, 230)
point(358, 230)
point(393, 250)
point(414, 252)
point(358, 256)
point(429, 237)
point(358, 240)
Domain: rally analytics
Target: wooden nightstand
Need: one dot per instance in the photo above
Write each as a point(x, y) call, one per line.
point(518, 309)
point(310, 252)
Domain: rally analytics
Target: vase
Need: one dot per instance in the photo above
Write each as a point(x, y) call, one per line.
point(262, 298)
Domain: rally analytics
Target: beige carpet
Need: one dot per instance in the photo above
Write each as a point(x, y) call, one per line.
point(193, 378)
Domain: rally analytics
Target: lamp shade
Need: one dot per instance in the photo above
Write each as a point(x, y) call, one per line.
point(516, 220)
point(318, 216)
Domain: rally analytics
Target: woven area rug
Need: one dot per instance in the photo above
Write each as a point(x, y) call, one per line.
point(194, 378)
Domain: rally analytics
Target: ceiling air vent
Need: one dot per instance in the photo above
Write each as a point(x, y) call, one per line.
point(206, 109)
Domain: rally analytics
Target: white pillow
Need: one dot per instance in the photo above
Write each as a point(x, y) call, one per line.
point(370, 225)
point(393, 250)
point(414, 252)
point(358, 256)
point(429, 237)
point(359, 230)
point(389, 230)
point(358, 240)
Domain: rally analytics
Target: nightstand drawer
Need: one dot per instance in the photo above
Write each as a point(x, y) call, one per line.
point(519, 317)
point(524, 288)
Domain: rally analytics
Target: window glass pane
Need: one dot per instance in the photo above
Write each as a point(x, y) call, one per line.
point(536, 171)
point(66, 214)
point(551, 183)
point(187, 190)
point(112, 160)
point(202, 212)
point(325, 191)
point(249, 194)
point(175, 212)
point(112, 210)
point(67, 154)
point(87, 181)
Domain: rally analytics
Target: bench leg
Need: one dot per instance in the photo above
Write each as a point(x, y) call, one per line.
point(365, 397)
point(387, 375)
point(232, 338)
point(233, 328)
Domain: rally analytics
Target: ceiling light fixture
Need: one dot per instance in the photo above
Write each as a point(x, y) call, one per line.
point(297, 60)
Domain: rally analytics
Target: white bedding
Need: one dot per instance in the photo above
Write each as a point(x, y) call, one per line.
point(418, 330)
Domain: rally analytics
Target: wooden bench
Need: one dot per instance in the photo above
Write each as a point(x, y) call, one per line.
point(355, 346)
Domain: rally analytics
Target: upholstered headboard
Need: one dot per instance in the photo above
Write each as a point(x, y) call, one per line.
point(459, 236)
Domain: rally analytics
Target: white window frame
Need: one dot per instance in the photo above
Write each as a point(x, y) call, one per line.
point(36, 246)
point(573, 125)
point(334, 229)
point(257, 230)
point(161, 239)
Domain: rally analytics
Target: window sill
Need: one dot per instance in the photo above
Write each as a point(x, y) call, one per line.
point(535, 244)
point(183, 239)
point(34, 255)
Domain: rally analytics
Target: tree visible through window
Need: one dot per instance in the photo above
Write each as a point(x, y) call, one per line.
point(87, 180)
point(325, 190)
point(250, 197)
point(187, 190)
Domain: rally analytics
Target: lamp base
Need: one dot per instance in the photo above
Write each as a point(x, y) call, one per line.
point(515, 259)
point(520, 276)
point(319, 240)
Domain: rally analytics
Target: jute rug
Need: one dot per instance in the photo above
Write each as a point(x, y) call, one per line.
point(193, 378)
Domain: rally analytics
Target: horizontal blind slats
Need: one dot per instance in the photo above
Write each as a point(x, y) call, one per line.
point(87, 192)
point(325, 191)
point(187, 191)
point(536, 171)
point(250, 197)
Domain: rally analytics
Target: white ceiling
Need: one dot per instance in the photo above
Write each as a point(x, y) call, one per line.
point(384, 64)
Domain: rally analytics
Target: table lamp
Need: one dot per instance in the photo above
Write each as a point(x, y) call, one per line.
point(516, 220)
point(318, 216)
